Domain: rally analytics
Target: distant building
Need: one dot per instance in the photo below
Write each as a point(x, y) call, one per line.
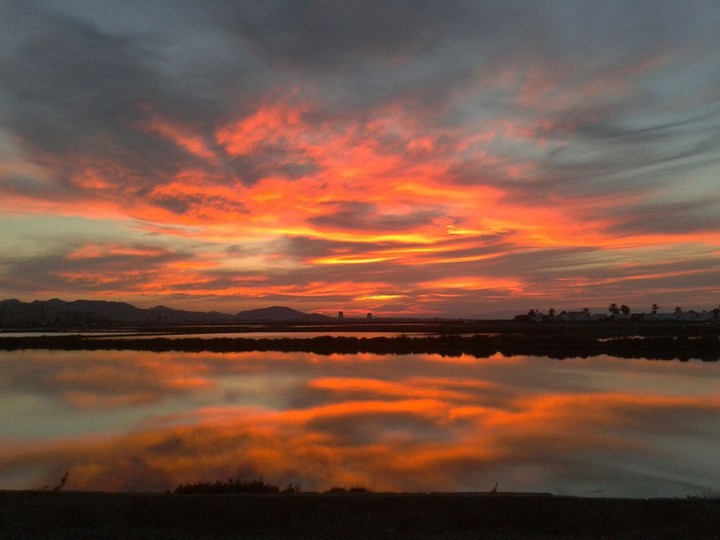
point(696, 316)
point(574, 316)
point(340, 315)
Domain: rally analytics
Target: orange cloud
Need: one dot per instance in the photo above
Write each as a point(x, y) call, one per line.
point(183, 137)
point(470, 283)
point(265, 126)
point(96, 251)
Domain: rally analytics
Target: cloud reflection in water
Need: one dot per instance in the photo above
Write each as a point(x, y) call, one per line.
point(126, 420)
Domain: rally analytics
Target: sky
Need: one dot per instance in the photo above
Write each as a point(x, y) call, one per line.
point(413, 157)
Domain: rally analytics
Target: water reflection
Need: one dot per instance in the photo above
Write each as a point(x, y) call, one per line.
point(125, 420)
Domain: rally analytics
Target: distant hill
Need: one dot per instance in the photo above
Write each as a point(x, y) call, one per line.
point(279, 314)
point(89, 313)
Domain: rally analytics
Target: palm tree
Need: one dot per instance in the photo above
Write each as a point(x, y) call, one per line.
point(613, 309)
point(678, 311)
point(654, 309)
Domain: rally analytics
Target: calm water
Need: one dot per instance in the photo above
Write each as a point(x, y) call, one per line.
point(126, 420)
point(213, 335)
point(274, 335)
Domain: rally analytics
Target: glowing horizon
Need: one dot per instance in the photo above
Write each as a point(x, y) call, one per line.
point(439, 159)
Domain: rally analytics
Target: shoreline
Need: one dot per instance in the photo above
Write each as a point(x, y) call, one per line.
point(74, 514)
point(560, 341)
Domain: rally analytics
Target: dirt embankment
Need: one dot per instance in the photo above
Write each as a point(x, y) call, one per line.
point(364, 515)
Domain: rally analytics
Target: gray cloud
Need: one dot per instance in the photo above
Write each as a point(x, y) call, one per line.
point(69, 82)
point(366, 216)
point(321, 34)
point(278, 161)
point(99, 272)
point(682, 217)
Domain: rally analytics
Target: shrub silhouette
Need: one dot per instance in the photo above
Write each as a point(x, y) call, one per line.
point(232, 485)
point(236, 485)
point(62, 481)
point(353, 489)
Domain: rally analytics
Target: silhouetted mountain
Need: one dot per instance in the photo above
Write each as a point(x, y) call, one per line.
point(83, 313)
point(56, 312)
point(279, 314)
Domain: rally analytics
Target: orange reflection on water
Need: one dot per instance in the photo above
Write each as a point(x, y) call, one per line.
point(143, 421)
point(415, 388)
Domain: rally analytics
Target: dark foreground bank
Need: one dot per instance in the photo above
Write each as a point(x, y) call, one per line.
point(26, 514)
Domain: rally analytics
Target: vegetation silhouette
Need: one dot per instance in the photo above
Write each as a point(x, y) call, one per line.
point(352, 489)
point(63, 480)
point(654, 342)
point(237, 485)
point(232, 485)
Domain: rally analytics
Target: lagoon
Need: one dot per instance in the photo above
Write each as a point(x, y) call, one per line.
point(146, 421)
point(248, 334)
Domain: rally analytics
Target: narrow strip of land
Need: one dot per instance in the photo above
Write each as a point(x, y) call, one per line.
point(683, 345)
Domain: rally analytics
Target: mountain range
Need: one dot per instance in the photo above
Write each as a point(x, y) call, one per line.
point(83, 313)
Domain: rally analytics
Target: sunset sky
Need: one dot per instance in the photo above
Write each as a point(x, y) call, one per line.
point(406, 157)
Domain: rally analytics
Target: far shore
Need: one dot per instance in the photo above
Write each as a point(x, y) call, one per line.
point(53, 514)
point(651, 340)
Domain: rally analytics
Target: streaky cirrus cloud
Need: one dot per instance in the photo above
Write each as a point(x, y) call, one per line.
point(459, 158)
